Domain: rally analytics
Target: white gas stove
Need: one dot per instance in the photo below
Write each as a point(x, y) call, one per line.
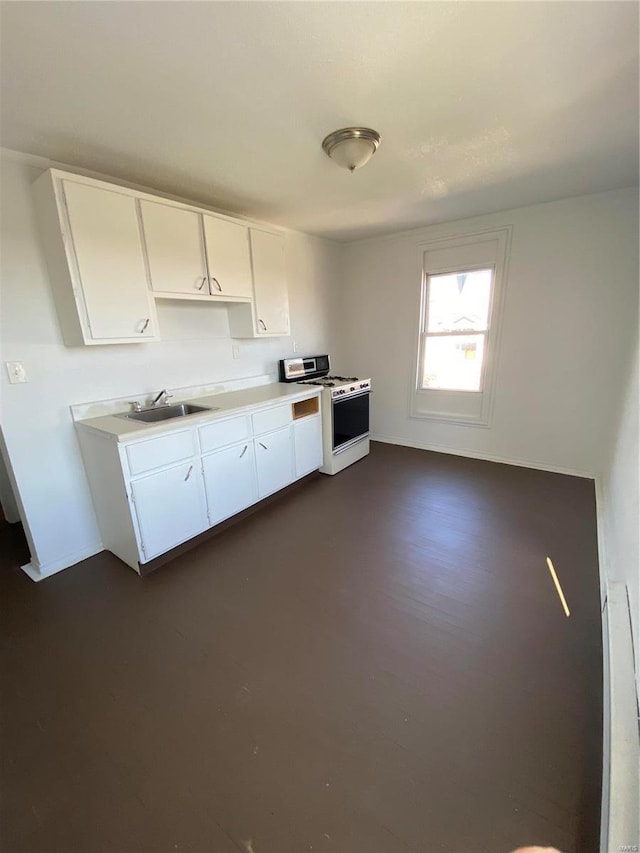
point(345, 409)
point(339, 386)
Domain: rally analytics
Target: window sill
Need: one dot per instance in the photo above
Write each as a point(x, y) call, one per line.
point(463, 408)
point(443, 417)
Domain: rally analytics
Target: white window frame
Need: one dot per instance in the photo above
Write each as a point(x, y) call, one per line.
point(451, 255)
point(464, 333)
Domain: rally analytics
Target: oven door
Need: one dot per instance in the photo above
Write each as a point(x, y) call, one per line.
point(350, 420)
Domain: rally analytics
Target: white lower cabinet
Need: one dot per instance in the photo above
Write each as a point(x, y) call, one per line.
point(170, 507)
point(230, 480)
point(308, 444)
point(274, 461)
point(153, 492)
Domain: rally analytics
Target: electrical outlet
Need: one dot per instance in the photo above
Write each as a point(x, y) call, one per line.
point(235, 351)
point(295, 346)
point(16, 372)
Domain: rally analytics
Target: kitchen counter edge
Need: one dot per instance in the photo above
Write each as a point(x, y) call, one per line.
point(225, 404)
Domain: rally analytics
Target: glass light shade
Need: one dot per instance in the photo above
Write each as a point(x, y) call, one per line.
point(351, 147)
point(353, 153)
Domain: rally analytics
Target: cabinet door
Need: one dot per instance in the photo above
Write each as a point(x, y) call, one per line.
point(175, 249)
point(228, 257)
point(269, 283)
point(274, 461)
point(108, 252)
point(307, 434)
point(230, 480)
point(170, 507)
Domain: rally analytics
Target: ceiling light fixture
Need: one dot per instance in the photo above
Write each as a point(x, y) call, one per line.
point(351, 147)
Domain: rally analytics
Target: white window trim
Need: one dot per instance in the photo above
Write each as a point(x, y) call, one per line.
point(424, 334)
point(419, 396)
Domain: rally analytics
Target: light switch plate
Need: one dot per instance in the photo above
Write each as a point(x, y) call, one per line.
point(235, 350)
point(16, 372)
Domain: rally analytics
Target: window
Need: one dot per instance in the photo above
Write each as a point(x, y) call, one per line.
point(455, 329)
point(459, 319)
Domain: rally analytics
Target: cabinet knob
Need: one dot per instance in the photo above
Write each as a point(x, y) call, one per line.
point(203, 282)
point(217, 283)
point(244, 451)
point(144, 326)
point(263, 324)
point(188, 473)
point(263, 446)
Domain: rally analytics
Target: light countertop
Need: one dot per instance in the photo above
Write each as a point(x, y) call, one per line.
point(222, 406)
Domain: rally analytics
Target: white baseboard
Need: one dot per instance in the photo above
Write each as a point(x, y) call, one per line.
point(38, 572)
point(620, 825)
point(486, 457)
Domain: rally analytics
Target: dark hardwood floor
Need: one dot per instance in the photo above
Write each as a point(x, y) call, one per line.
point(377, 662)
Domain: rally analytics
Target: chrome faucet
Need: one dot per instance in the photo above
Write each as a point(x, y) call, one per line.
point(162, 399)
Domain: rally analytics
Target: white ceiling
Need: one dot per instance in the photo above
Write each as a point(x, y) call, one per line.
point(481, 106)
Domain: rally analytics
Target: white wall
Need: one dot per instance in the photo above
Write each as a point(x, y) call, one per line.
point(196, 349)
point(620, 508)
point(7, 497)
point(570, 312)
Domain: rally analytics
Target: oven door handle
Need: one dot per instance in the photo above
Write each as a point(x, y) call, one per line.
point(335, 400)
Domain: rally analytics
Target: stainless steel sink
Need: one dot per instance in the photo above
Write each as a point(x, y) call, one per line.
point(165, 413)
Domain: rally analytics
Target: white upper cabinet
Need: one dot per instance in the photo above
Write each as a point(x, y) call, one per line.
point(194, 255)
point(269, 283)
point(228, 257)
point(175, 249)
point(269, 316)
point(96, 262)
point(113, 251)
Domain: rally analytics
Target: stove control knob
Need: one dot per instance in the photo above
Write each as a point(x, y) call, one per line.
point(363, 384)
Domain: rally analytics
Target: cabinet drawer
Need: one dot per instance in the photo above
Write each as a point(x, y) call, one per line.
point(271, 419)
point(221, 433)
point(155, 452)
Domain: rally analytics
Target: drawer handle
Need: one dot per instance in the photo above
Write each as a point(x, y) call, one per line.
point(263, 324)
point(263, 446)
point(144, 326)
point(204, 281)
point(217, 283)
point(244, 451)
point(188, 473)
